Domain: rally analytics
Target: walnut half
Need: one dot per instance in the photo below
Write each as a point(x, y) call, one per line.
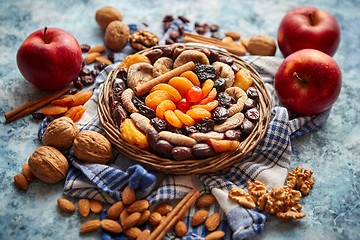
point(142, 39)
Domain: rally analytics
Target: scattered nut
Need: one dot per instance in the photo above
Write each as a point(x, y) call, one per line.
point(227, 40)
point(98, 48)
point(297, 179)
point(91, 57)
point(111, 226)
point(213, 221)
point(199, 217)
point(115, 210)
point(245, 42)
point(90, 226)
point(27, 172)
point(104, 60)
point(128, 195)
point(116, 35)
point(234, 35)
point(262, 45)
point(66, 205)
point(21, 181)
point(205, 200)
point(84, 207)
point(256, 188)
point(104, 16)
point(95, 206)
point(142, 39)
point(242, 198)
point(180, 229)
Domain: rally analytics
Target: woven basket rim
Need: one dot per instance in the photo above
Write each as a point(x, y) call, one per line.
point(193, 166)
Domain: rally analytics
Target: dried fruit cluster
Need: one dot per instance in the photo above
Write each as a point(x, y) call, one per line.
point(281, 201)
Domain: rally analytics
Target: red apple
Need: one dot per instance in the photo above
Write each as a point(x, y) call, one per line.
point(49, 58)
point(308, 27)
point(308, 82)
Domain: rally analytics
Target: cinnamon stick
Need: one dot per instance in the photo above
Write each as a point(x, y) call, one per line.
point(146, 87)
point(174, 216)
point(34, 105)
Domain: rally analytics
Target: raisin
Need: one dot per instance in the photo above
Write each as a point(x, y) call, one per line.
point(205, 125)
point(225, 100)
point(158, 124)
point(253, 114)
point(220, 84)
point(205, 72)
point(164, 148)
point(143, 109)
point(252, 93)
point(95, 73)
point(153, 55)
point(189, 129)
point(203, 150)
point(219, 115)
point(249, 103)
point(174, 129)
point(181, 153)
point(233, 135)
point(247, 126)
point(227, 60)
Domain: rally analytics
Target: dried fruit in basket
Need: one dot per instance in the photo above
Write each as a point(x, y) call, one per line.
point(131, 134)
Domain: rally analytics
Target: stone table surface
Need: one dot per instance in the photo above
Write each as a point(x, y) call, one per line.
point(333, 151)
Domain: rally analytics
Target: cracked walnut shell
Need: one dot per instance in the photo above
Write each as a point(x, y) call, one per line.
point(60, 133)
point(48, 164)
point(142, 39)
point(92, 147)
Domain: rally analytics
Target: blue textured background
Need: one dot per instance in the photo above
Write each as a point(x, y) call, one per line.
point(333, 152)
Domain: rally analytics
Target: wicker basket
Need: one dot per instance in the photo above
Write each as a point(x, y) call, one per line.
point(196, 166)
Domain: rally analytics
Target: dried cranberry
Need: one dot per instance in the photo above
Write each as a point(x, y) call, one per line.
point(181, 29)
point(174, 34)
point(184, 19)
point(87, 80)
point(38, 115)
point(77, 83)
point(99, 66)
point(252, 93)
point(111, 56)
point(220, 84)
point(168, 18)
point(72, 91)
point(200, 30)
point(219, 115)
point(205, 125)
point(84, 48)
point(158, 124)
point(166, 25)
point(95, 73)
point(214, 28)
point(253, 114)
point(84, 72)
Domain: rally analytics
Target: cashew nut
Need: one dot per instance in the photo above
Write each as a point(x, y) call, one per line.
point(226, 72)
point(162, 65)
point(126, 99)
point(191, 55)
point(230, 123)
point(240, 98)
point(139, 73)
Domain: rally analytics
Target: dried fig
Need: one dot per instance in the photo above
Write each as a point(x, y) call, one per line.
point(60, 133)
point(191, 55)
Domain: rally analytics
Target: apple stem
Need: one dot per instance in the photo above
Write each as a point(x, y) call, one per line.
point(45, 29)
point(297, 77)
point(311, 19)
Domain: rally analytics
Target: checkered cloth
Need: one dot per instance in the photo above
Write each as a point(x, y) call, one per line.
point(268, 162)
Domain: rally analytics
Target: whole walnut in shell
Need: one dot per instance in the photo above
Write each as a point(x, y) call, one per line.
point(117, 35)
point(60, 133)
point(106, 15)
point(48, 164)
point(92, 147)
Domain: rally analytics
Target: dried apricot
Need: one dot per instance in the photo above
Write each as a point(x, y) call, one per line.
point(207, 86)
point(209, 106)
point(75, 113)
point(243, 79)
point(192, 77)
point(223, 145)
point(63, 100)
point(155, 98)
point(54, 110)
point(181, 84)
point(198, 113)
point(163, 107)
point(80, 98)
point(131, 134)
point(172, 119)
point(132, 59)
point(210, 97)
point(169, 89)
point(184, 118)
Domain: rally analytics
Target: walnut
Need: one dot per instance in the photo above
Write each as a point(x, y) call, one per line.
point(105, 15)
point(48, 164)
point(256, 189)
point(290, 214)
point(242, 198)
point(142, 39)
point(116, 35)
point(297, 179)
point(92, 147)
point(60, 133)
point(261, 45)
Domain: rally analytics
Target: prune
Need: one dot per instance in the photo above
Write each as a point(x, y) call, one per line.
point(219, 115)
point(252, 93)
point(227, 60)
point(116, 93)
point(214, 56)
point(203, 150)
point(99, 66)
point(153, 137)
point(164, 148)
point(122, 74)
point(253, 114)
point(181, 153)
point(143, 109)
point(158, 124)
point(247, 127)
point(118, 113)
point(174, 129)
point(205, 125)
point(225, 100)
point(220, 84)
point(204, 72)
point(189, 129)
point(233, 135)
point(249, 103)
point(119, 83)
point(154, 54)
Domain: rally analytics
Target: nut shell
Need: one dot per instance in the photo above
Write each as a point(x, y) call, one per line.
point(92, 147)
point(116, 35)
point(48, 164)
point(105, 15)
point(261, 45)
point(60, 133)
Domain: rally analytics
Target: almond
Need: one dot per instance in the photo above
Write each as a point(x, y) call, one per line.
point(90, 226)
point(84, 207)
point(213, 221)
point(115, 210)
point(133, 232)
point(21, 181)
point(145, 235)
point(138, 206)
point(95, 206)
point(245, 42)
point(180, 229)
point(164, 208)
point(199, 217)
point(27, 172)
point(131, 220)
point(91, 57)
point(123, 215)
point(217, 235)
point(128, 195)
point(205, 200)
point(98, 48)
point(66, 205)
point(144, 217)
point(227, 40)
point(233, 35)
point(155, 218)
point(103, 60)
point(111, 226)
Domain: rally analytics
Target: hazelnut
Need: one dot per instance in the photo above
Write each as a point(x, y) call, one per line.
point(106, 15)
point(60, 133)
point(92, 147)
point(261, 45)
point(48, 164)
point(116, 35)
